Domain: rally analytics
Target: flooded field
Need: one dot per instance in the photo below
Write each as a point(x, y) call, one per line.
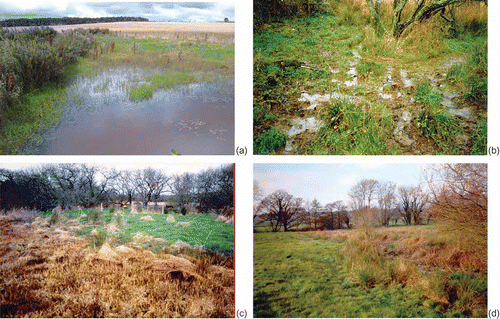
point(100, 117)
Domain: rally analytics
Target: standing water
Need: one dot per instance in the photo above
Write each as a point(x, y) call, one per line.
point(192, 119)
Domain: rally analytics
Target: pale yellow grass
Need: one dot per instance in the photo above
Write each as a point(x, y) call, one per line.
point(153, 27)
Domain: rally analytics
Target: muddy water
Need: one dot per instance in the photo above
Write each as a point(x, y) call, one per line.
point(194, 119)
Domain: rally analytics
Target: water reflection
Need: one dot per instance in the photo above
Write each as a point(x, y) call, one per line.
point(194, 119)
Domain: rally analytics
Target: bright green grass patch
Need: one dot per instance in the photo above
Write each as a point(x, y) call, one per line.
point(300, 275)
point(140, 92)
point(269, 142)
point(159, 81)
point(38, 111)
point(199, 229)
point(163, 81)
point(202, 231)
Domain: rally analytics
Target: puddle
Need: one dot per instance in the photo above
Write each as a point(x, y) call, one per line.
point(194, 119)
point(317, 99)
point(300, 125)
point(399, 131)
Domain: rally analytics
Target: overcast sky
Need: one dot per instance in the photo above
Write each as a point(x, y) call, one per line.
point(331, 182)
point(154, 11)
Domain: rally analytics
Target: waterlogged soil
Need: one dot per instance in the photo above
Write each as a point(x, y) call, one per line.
point(100, 118)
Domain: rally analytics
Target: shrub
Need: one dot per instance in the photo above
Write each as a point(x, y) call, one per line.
point(270, 141)
point(460, 204)
point(75, 44)
point(32, 62)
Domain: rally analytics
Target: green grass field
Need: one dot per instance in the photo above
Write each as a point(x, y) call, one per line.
point(307, 275)
point(202, 231)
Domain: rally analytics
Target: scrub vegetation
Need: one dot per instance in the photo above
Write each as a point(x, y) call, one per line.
point(349, 77)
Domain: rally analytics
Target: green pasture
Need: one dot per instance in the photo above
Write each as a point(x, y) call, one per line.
point(298, 275)
point(202, 231)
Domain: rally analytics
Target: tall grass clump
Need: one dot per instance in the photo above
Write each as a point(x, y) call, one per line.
point(270, 141)
point(350, 12)
point(434, 123)
point(94, 216)
point(350, 128)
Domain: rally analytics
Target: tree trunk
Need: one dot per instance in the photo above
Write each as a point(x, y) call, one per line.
point(421, 13)
point(374, 7)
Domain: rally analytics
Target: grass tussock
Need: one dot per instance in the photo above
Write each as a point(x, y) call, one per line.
point(48, 273)
point(452, 279)
point(353, 129)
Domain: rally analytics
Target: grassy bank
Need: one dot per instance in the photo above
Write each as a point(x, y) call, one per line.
point(424, 93)
point(32, 99)
point(396, 272)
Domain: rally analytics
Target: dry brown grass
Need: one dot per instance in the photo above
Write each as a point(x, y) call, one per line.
point(46, 273)
point(420, 257)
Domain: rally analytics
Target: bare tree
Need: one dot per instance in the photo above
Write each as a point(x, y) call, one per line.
point(184, 188)
point(374, 8)
point(280, 210)
point(363, 193)
point(422, 10)
point(151, 183)
point(335, 216)
point(386, 201)
point(315, 211)
point(460, 202)
point(413, 200)
point(126, 186)
point(215, 189)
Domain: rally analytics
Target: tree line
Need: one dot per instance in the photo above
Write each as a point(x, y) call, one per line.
point(455, 196)
point(69, 185)
point(32, 22)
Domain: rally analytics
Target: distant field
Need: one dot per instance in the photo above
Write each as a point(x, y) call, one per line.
point(150, 27)
point(154, 27)
point(222, 32)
